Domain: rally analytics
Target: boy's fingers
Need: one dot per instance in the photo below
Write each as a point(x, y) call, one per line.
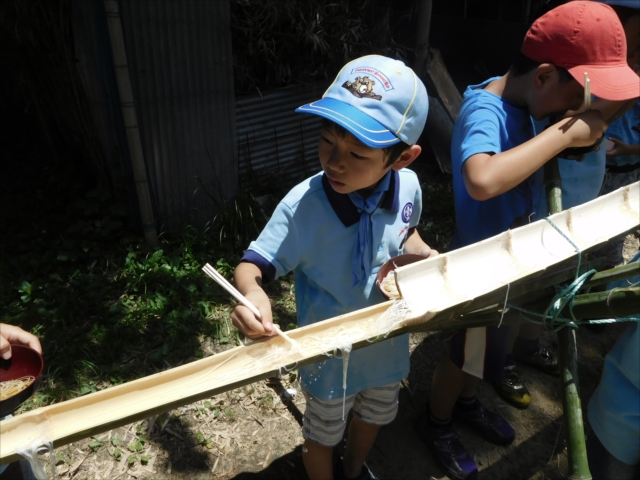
point(5, 348)
point(251, 326)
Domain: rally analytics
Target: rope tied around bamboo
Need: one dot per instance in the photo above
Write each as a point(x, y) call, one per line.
point(551, 318)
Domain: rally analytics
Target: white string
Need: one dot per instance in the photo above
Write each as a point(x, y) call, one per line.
point(504, 307)
point(30, 453)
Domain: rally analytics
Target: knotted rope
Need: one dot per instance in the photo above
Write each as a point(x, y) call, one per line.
point(551, 317)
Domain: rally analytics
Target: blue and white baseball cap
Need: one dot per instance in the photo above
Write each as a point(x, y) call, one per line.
point(379, 100)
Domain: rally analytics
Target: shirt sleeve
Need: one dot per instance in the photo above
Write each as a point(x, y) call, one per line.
point(278, 244)
point(480, 133)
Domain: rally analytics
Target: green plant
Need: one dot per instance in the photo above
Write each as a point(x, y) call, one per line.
point(95, 444)
point(281, 43)
point(267, 401)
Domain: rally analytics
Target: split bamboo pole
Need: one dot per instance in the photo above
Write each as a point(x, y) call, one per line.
point(617, 303)
point(130, 119)
point(567, 355)
point(611, 275)
point(433, 289)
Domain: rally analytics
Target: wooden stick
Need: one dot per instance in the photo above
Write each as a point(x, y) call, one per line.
point(587, 92)
point(224, 283)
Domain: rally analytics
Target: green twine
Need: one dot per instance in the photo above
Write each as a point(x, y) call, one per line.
point(575, 247)
point(551, 318)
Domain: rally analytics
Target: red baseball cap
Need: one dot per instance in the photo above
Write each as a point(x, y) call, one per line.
point(585, 37)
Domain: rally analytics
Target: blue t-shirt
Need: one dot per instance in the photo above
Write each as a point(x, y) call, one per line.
point(581, 180)
point(489, 124)
point(627, 129)
point(614, 408)
point(313, 232)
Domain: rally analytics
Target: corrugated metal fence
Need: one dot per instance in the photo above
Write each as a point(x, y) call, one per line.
point(180, 62)
point(273, 139)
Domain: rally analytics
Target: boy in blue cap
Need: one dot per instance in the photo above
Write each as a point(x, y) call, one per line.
point(497, 179)
point(334, 231)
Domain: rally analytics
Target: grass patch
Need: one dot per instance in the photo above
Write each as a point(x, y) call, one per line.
point(107, 308)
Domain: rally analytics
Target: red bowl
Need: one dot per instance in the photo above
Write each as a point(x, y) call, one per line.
point(392, 264)
point(24, 361)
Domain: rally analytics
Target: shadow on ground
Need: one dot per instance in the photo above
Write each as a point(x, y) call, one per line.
point(537, 452)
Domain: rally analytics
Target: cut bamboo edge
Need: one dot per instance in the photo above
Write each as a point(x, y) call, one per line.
point(437, 289)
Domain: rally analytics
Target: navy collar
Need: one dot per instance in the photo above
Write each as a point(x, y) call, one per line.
point(347, 212)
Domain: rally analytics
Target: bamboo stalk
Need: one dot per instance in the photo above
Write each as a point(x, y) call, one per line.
point(611, 303)
point(535, 294)
point(617, 303)
point(617, 273)
point(128, 107)
point(553, 186)
point(571, 404)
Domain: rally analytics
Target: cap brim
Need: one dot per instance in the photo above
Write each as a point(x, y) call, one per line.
point(369, 131)
point(609, 82)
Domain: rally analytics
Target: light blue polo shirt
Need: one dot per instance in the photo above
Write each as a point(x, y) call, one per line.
point(488, 123)
point(313, 232)
point(614, 408)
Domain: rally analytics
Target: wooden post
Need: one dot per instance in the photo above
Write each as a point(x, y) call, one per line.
point(567, 355)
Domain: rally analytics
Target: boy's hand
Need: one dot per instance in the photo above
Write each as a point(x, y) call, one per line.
point(622, 148)
point(426, 252)
point(249, 282)
point(417, 246)
point(246, 321)
point(11, 334)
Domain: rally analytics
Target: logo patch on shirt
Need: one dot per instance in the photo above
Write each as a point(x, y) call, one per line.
point(407, 211)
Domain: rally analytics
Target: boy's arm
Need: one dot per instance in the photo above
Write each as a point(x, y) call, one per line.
point(248, 280)
point(416, 245)
point(489, 175)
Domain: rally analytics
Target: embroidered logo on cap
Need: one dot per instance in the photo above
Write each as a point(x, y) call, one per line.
point(362, 86)
point(407, 211)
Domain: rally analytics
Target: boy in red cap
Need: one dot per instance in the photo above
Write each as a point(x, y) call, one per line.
point(497, 178)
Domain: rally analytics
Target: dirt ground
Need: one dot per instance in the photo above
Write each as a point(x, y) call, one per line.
point(254, 432)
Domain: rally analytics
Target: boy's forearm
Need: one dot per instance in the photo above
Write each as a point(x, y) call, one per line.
point(487, 176)
point(247, 277)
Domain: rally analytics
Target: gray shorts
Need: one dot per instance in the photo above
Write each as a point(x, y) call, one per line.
point(323, 419)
